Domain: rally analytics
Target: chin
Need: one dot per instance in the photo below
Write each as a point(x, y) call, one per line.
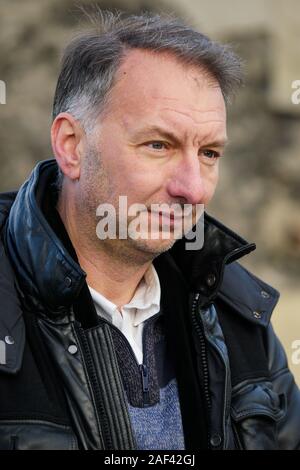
point(154, 247)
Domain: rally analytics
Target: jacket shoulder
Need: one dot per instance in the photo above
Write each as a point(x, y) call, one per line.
point(248, 295)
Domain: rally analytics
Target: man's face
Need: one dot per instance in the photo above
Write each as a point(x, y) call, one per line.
point(158, 142)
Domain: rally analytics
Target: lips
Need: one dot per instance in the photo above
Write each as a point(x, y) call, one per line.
point(168, 215)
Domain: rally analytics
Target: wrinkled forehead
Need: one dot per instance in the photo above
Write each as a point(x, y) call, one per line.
point(150, 81)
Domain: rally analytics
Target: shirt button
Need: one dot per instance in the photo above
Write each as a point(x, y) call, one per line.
point(215, 440)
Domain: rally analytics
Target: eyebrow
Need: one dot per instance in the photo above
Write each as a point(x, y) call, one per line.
point(171, 136)
point(217, 143)
point(158, 130)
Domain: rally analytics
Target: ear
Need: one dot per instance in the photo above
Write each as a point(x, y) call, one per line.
point(67, 137)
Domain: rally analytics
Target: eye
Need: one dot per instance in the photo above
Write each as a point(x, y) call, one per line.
point(156, 145)
point(211, 154)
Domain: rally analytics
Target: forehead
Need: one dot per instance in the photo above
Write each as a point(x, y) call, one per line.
point(156, 83)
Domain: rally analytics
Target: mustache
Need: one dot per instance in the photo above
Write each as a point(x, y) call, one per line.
point(173, 208)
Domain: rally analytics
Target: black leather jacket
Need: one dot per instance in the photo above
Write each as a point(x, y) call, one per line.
point(51, 398)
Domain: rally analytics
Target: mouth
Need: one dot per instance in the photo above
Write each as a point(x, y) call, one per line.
point(167, 215)
point(167, 219)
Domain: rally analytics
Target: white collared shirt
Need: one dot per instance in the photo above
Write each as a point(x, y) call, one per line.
point(130, 321)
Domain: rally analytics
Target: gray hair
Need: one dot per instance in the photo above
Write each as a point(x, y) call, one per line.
point(91, 60)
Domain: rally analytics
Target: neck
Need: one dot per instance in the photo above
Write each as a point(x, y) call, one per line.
point(112, 277)
point(110, 271)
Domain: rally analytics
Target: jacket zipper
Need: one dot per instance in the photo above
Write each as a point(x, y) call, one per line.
point(100, 409)
point(226, 400)
point(197, 323)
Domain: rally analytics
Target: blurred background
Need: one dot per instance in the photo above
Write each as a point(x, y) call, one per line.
point(259, 190)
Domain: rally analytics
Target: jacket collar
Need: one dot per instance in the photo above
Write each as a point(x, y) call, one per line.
point(47, 273)
point(50, 277)
point(214, 273)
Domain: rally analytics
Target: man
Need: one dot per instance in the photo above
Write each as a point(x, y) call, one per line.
point(136, 342)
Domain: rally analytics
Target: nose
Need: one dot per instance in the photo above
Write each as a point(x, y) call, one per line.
point(187, 182)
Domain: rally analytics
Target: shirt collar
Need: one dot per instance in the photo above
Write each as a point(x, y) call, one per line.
point(146, 299)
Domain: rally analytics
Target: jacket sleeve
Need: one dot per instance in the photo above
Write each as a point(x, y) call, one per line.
point(284, 384)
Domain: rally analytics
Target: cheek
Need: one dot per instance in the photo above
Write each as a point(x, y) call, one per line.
point(128, 173)
point(136, 177)
point(211, 184)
